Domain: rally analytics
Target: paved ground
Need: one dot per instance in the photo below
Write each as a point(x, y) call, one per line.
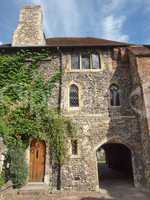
point(116, 191)
point(115, 187)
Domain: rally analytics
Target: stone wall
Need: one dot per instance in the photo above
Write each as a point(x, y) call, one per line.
point(98, 122)
point(29, 31)
point(2, 153)
point(141, 88)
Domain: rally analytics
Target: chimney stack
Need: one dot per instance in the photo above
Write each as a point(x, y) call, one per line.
point(29, 31)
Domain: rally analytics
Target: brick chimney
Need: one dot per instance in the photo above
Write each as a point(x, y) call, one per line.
point(29, 31)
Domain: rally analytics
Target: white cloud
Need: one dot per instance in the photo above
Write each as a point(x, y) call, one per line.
point(1, 43)
point(59, 16)
point(113, 5)
point(75, 18)
point(113, 20)
point(45, 12)
point(112, 28)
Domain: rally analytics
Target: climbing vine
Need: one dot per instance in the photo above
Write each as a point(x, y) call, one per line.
point(24, 107)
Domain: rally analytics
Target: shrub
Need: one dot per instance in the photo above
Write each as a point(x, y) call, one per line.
point(18, 170)
point(2, 180)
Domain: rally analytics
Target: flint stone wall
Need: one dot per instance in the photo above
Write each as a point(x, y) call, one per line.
point(96, 121)
point(29, 31)
point(141, 86)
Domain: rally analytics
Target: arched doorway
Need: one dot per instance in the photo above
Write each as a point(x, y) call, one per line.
point(114, 161)
point(37, 160)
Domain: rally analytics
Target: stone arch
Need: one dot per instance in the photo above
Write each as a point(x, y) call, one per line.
point(115, 139)
point(119, 141)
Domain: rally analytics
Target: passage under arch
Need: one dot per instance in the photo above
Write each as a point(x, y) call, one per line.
point(114, 161)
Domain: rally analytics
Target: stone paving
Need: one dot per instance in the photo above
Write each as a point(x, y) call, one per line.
point(109, 191)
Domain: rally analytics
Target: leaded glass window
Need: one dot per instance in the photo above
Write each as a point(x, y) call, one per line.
point(75, 61)
point(74, 96)
point(95, 61)
point(85, 61)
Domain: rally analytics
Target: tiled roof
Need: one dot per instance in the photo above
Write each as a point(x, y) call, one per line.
point(77, 42)
point(81, 42)
point(5, 45)
point(139, 50)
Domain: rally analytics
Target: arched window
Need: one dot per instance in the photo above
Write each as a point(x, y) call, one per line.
point(74, 96)
point(114, 95)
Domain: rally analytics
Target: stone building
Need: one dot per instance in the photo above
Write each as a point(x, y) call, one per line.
point(105, 91)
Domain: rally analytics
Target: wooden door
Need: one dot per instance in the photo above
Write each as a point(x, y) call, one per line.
point(37, 161)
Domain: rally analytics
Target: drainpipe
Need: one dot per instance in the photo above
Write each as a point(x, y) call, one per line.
point(59, 111)
point(60, 80)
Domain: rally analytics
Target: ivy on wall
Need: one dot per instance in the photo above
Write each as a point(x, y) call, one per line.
point(24, 110)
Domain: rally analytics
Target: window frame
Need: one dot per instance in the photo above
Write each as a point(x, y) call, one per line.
point(91, 69)
point(78, 155)
point(99, 60)
point(74, 142)
point(81, 57)
point(119, 93)
point(69, 99)
point(77, 54)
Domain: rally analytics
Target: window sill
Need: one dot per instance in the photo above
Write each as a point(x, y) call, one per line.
point(74, 108)
point(75, 156)
point(84, 70)
point(114, 107)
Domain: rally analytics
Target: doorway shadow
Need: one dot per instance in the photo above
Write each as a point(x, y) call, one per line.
point(114, 165)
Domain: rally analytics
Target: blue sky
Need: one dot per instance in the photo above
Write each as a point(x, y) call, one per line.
point(121, 20)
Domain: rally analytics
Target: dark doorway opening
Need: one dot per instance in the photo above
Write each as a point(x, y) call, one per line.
point(114, 162)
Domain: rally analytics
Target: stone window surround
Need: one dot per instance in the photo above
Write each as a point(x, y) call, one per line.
point(74, 147)
point(115, 107)
point(79, 96)
point(69, 69)
point(75, 90)
point(70, 148)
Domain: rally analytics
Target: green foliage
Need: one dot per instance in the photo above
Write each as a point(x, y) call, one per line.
point(18, 170)
point(24, 110)
point(2, 180)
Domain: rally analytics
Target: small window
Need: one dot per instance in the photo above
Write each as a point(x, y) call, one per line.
point(96, 61)
point(114, 95)
point(74, 96)
point(85, 61)
point(74, 146)
point(75, 61)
